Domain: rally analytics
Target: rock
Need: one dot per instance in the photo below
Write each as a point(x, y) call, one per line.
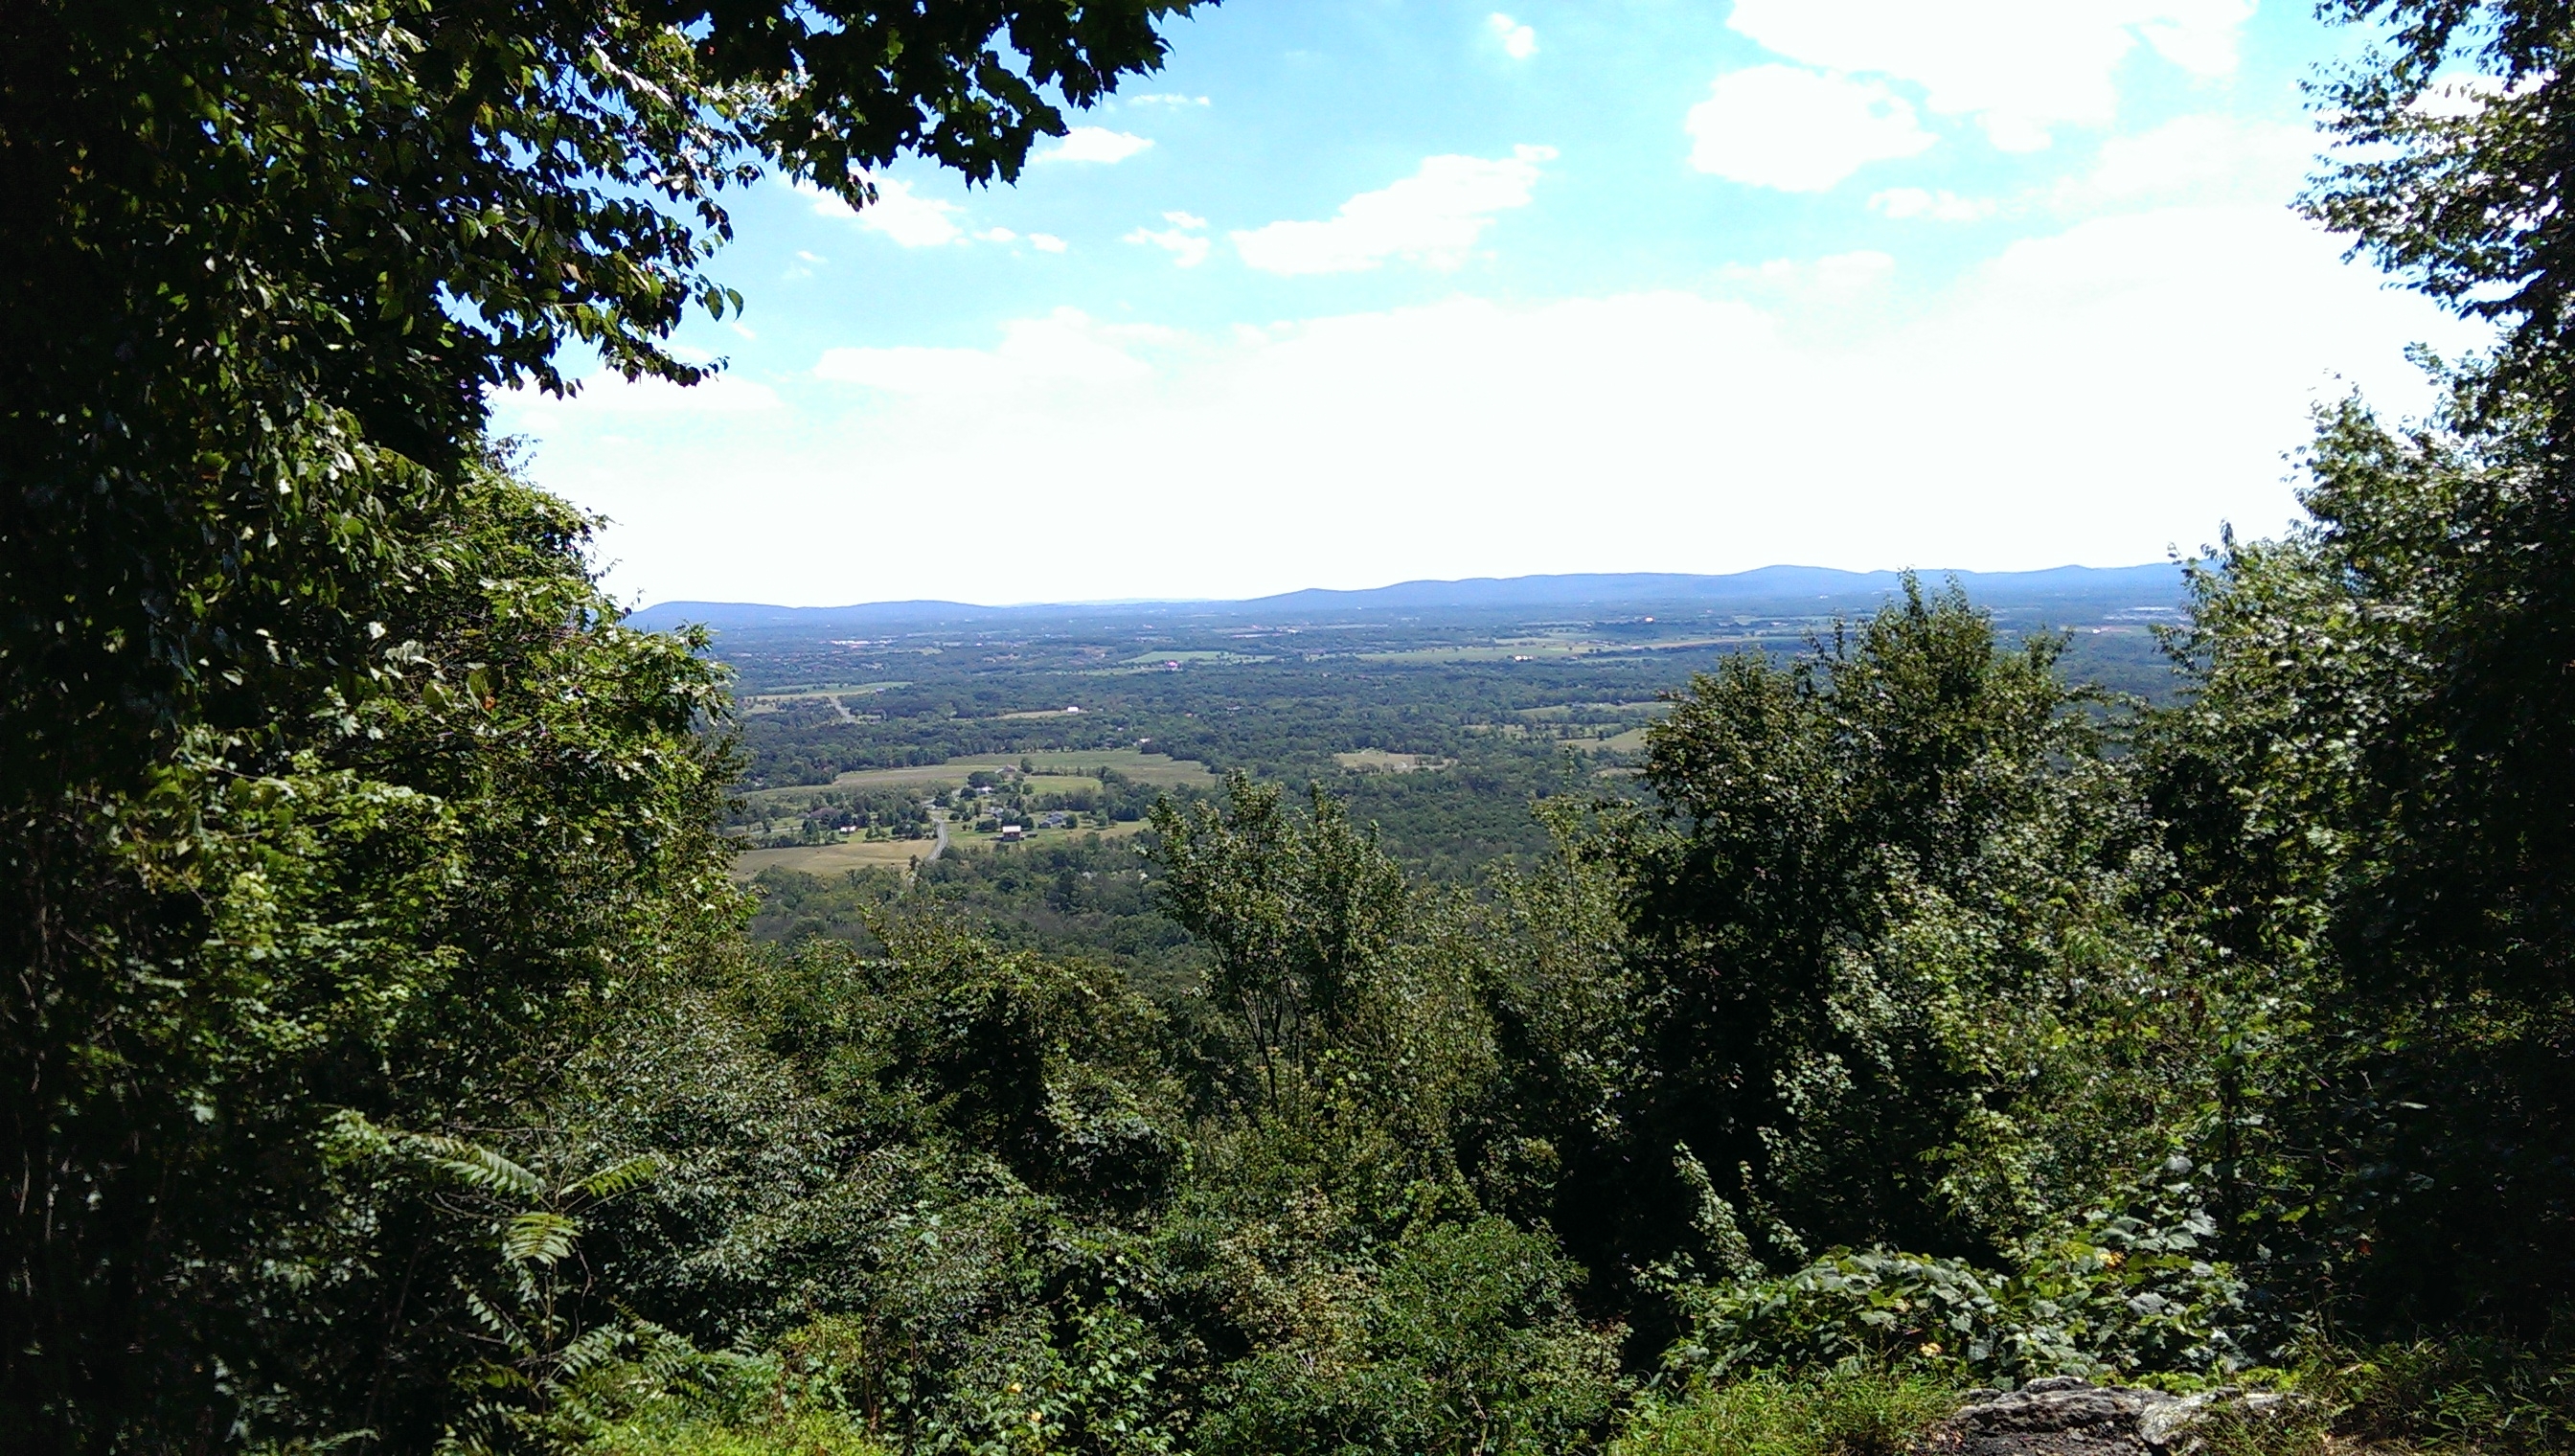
point(2066, 1416)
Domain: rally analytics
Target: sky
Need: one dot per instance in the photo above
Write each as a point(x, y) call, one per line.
point(1362, 291)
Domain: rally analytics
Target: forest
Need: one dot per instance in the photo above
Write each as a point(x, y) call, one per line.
point(1913, 1008)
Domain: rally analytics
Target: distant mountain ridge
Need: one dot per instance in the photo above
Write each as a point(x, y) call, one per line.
point(2159, 584)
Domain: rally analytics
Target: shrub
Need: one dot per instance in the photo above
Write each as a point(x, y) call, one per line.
point(1466, 1344)
point(2120, 1295)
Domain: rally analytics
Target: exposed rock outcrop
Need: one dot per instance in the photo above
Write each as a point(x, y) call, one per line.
point(2064, 1416)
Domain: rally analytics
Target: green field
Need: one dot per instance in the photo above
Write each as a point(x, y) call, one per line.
point(837, 858)
point(773, 702)
point(1050, 770)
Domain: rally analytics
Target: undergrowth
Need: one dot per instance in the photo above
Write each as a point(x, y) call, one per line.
point(1840, 1414)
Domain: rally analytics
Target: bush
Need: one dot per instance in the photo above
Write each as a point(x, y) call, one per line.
point(1860, 1413)
point(1468, 1343)
point(2119, 1296)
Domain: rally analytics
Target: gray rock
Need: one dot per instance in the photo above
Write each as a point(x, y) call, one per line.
point(2066, 1416)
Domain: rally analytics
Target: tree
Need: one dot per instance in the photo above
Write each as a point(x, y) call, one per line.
point(1892, 979)
point(2373, 790)
point(326, 778)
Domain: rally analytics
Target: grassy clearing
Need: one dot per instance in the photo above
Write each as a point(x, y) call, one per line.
point(837, 858)
point(750, 702)
point(1865, 1414)
point(1066, 770)
point(1378, 761)
point(1630, 741)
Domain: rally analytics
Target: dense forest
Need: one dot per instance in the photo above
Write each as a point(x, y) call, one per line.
point(394, 1062)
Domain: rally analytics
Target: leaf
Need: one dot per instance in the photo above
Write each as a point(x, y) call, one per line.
point(633, 1173)
point(538, 1238)
point(476, 1165)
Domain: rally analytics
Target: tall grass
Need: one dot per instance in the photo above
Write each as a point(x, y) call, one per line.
point(1857, 1414)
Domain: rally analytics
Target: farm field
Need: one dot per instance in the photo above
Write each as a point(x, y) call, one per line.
point(780, 701)
point(837, 859)
point(1054, 772)
point(1378, 761)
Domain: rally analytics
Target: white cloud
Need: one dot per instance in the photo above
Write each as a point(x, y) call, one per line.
point(1518, 41)
point(1046, 242)
point(1942, 206)
point(2019, 67)
point(2203, 158)
point(997, 235)
point(2091, 396)
point(1060, 358)
point(1836, 279)
point(1434, 216)
point(1165, 98)
point(897, 212)
point(1095, 143)
point(1798, 130)
point(1186, 238)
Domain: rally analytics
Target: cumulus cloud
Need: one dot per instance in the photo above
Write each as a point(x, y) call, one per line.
point(1046, 242)
point(911, 220)
point(1518, 41)
point(2063, 401)
point(1798, 129)
point(2205, 158)
point(1942, 206)
point(2018, 67)
point(1834, 279)
point(1434, 216)
point(1166, 98)
point(1186, 238)
point(1095, 143)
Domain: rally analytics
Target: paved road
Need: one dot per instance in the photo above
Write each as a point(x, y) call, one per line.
point(938, 821)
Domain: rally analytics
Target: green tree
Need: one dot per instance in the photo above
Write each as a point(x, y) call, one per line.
point(1891, 981)
point(2373, 793)
point(326, 778)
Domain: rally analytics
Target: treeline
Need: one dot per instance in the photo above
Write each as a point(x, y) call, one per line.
point(388, 1067)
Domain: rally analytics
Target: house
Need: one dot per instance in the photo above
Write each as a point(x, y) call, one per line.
point(1013, 834)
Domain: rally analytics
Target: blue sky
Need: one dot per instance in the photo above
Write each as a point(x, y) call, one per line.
point(1356, 290)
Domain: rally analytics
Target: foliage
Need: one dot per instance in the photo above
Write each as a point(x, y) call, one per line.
point(1889, 972)
point(1465, 1343)
point(327, 778)
point(2118, 1295)
point(2472, 1393)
